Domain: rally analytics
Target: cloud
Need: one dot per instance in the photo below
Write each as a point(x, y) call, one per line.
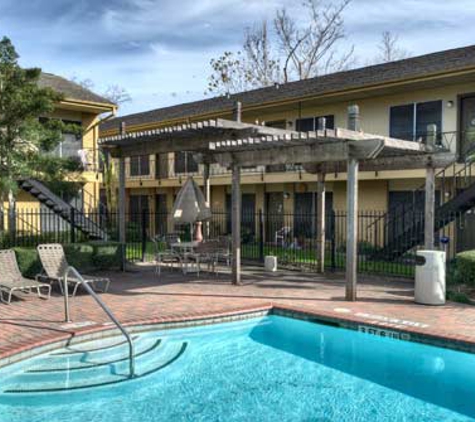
point(156, 48)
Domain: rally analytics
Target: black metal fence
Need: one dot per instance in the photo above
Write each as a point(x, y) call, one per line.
point(386, 245)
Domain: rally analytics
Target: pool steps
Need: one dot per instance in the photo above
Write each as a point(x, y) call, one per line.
point(90, 366)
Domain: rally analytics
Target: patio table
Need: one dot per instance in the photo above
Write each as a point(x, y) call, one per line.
point(186, 249)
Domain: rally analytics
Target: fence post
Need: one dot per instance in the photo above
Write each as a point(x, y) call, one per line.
point(261, 235)
point(72, 217)
point(333, 241)
point(144, 233)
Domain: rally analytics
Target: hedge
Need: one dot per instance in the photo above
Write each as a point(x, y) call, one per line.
point(465, 264)
point(89, 256)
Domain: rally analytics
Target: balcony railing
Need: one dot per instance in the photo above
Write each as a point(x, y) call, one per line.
point(168, 169)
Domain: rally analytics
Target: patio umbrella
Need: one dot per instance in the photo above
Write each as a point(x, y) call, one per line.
point(190, 204)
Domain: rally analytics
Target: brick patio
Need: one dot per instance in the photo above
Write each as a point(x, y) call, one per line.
point(140, 297)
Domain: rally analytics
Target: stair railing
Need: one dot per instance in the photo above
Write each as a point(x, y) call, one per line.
point(451, 181)
point(104, 307)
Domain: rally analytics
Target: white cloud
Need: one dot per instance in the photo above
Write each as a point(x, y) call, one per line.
point(158, 47)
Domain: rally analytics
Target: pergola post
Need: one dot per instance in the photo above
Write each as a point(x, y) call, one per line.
point(352, 212)
point(321, 222)
point(207, 186)
point(429, 209)
point(121, 213)
point(121, 205)
point(236, 223)
point(236, 209)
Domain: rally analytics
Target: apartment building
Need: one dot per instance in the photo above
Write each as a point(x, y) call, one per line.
point(84, 108)
point(399, 99)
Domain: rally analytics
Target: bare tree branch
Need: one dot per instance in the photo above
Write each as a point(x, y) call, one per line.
point(389, 50)
point(114, 93)
point(306, 49)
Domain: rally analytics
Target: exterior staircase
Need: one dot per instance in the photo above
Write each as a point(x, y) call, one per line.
point(63, 210)
point(403, 225)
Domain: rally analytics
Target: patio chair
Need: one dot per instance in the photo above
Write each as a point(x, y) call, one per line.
point(11, 278)
point(54, 263)
point(224, 250)
point(168, 256)
point(281, 235)
point(205, 253)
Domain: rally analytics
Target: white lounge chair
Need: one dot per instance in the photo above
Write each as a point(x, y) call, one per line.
point(54, 263)
point(12, 280)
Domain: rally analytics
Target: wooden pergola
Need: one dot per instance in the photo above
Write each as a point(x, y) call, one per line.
point(234, 144)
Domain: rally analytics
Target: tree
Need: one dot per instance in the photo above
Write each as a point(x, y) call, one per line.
point(114, 93)
point(111, 182)
point(27, 136)
point(312, 49)
point(253, 67)
point(389, 50)
point(117, 94)
point(293, 50)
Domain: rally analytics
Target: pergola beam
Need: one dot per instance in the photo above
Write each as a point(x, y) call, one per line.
point(312, 153)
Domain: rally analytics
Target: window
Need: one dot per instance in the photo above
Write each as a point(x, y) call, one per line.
point(278, 124)
point(305, 215)
point(161, 214)
point(140, 165)
point(305, 125)
point(71, 143)
point(309, 124)
point(185, 163)
point(138, 205)
point(410, 121)
point(248, 215)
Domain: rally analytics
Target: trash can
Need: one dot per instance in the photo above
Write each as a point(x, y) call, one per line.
point(270, 263)
point(430, 278)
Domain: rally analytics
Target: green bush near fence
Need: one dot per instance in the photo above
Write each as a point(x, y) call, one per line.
point(465, 267)
point(89, 256)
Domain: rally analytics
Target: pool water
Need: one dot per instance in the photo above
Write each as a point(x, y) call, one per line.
point(265, 369)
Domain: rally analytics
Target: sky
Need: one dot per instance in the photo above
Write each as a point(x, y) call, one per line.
point(159, 50)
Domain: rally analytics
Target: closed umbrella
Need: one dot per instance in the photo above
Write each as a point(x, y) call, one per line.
point(190, 205)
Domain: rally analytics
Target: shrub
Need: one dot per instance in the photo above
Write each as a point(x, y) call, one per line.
point(465, 263)
point(84, 256)
point(106, 255)
point(28, 261)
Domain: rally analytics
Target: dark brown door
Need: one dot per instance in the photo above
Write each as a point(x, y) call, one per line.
point(467, 126)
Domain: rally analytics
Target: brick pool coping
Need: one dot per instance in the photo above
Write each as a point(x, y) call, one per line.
point(342, 317)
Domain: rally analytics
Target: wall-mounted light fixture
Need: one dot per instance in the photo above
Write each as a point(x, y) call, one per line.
point(450, 104)
point(286, 195)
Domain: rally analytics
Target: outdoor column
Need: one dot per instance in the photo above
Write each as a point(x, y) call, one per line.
point(352, 212)
point(236, 223)
point(429, 217)
point(121, 213)
point(236, 208)
point(207, 187)
point(321, 222)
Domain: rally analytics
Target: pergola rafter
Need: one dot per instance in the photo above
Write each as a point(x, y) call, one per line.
point(235, 144)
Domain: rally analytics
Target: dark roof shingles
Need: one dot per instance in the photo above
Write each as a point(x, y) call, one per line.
point(414, 67)
point(69, 89)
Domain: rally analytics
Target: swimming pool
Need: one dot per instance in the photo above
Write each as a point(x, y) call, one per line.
point(263, 369)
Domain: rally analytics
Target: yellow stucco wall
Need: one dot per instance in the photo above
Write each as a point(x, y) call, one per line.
point(91, 178)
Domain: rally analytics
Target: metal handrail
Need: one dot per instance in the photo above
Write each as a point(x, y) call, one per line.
point(104, 307)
